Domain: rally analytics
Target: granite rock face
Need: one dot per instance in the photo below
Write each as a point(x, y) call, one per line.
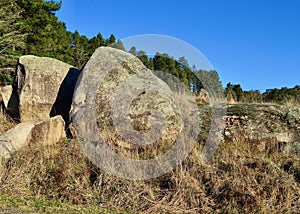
point(126, 101)
point(37, 86)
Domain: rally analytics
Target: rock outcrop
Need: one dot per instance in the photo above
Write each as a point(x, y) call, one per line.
point(269, 128)
point(47, 131)
point(122, 102)
point(38, 88)
point(126, 100)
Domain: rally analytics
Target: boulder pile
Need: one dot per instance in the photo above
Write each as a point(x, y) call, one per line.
point(117, 99)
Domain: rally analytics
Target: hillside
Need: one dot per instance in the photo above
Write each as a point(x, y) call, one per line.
point(240, 177)
point(89, 127)
point(254, 168)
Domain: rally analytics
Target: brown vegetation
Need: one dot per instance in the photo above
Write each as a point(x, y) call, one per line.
point(5, 123)
point(239, 178)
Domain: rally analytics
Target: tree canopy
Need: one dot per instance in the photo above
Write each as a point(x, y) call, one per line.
point(11, 38)
point(235, 93)
point(32, 27)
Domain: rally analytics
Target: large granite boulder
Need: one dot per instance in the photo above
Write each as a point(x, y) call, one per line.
point(43, 85)
point(122, 101)
point(47, 132)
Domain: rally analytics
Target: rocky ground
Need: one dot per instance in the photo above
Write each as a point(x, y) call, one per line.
point(269, 127)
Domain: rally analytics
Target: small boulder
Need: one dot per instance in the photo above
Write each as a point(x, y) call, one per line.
point(6, 93)
point(47, 132)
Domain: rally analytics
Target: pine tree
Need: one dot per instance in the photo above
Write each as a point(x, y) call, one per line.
point(133, 51)
point(110, 40)
point(229, 93)
point(46, 35)
point(80, 49)
point(143, 57)
point(11, 39)
point(118, 45)
point(95, 42)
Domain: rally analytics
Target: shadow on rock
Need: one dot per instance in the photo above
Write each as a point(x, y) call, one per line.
point(63, 102)
point(13, 105)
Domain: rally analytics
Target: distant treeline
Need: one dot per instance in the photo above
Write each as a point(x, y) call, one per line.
point(235, 93)
point(31, 27)
point(176, 73)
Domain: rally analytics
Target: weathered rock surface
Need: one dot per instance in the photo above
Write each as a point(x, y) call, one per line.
point(270, 128)
point(126, 100)
point(47, 131)
point(39, 82)
point(203, 97)
point(6, 92)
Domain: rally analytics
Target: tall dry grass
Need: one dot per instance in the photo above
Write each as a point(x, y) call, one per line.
point(6, 123)
point(237, 179)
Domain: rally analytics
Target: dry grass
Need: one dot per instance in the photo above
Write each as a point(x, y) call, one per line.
point(238, 179)
point(6, 123)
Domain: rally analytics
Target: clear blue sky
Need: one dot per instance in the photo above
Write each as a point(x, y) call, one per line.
point(252, 42)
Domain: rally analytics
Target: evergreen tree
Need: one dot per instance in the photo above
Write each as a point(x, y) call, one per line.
point(183, 61)
point(11, 39)
point(133, 51)
point(252, 96)
point(151, 64)
point(238, 92)
point(229, 93)
point(143, 57)
point(95, 42)
point(80, 49)
point(46, 35)
point(110, 40)
point(118, 45)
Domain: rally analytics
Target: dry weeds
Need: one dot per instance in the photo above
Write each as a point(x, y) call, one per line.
point(236, 180)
